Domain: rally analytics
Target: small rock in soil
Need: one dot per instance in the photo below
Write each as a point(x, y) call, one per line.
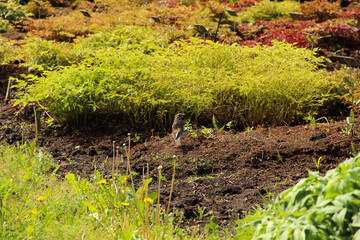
point(8, 130)
point(317, 136)
point(92, 152)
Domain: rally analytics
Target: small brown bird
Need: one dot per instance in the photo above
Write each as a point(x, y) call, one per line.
point(178, 128)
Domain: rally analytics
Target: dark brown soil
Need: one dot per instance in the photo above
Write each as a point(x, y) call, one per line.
point(225, 173)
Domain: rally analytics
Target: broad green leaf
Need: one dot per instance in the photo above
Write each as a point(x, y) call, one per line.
point(339, 218)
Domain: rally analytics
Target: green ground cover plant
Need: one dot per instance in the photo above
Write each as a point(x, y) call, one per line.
point(318, 207)
point(139, 75)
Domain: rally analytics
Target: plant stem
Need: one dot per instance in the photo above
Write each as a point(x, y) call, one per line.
point(168, 207)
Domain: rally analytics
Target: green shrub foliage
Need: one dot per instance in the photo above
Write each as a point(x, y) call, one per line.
point(316, 208)
point(137, 74)
point(269, 10)
point(12, 11)
point(47, 54)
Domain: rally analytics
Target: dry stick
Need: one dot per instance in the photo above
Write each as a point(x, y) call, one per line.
point(79, 232)
point(128, 170)
point(22, 137)
point(168, 207)
point(158, 198)
point(107, 167)
point(117, 166)
point(143, 195)
point(83, 236)
point(147, 170)
point(36, 124)
point(8, 92)
point(147, 204)
point(17, 163)
point(128, 162)
point(126, 175)
point(123, 228)
point(113, 163)
point(38, 120)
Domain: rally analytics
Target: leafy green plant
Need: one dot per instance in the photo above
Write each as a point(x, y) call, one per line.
point(207, 132)
point(200, 213)
point(310, 118)
point(315, 207)
point(350, 122)
point(280, 157)
point(249, 129)
point(188, 128)
point(216, 125)
point(317, 162)
point(229, 125)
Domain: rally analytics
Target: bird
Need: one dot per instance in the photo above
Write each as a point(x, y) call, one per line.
point(178, 128)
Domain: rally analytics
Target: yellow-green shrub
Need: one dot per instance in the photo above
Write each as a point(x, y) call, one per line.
point(44, 54)
point(36, 11)
point(268, 10)
point(6, 51)
point(67, 28)
point(12, 11)
point(269, 84)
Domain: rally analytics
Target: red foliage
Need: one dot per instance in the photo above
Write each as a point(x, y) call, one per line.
point(338, 30)
point(320, 10)
point(245, 3)
point(352, 13)
point(249, 43)
point(264, 32)
point(286, 35)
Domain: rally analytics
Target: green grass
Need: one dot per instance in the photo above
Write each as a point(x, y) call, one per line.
point(36, 203)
